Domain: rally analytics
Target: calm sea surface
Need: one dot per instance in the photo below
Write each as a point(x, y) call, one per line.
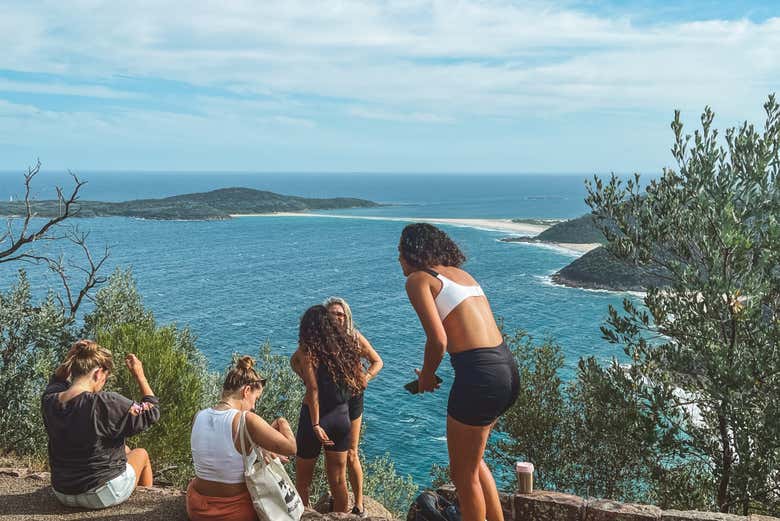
point(241, 282)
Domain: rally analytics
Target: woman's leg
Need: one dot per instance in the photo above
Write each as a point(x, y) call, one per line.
point(353, 463)
point(304, 472)
point(139, 460)
point(493, 510)
point(336, 468)
point(477, 493)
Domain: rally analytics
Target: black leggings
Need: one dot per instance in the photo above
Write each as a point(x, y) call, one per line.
point(336, 424)
point(486, 384)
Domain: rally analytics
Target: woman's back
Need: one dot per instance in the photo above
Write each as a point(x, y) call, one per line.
point(86, 438)
point(331, 393)
point(213, 447)
point(469, 321)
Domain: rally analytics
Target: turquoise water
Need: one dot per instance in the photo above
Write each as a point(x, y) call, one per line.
point(240, 282)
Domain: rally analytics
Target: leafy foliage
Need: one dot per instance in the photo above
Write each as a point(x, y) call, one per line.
point(176, 378)
point(705, 360)
point(536, 424)
point(31, 342)
point(590, 436)
point(118, 302)
point(383, 483)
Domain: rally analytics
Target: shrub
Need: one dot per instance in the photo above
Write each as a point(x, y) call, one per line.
point(118, 302)
point(176, 380)
point(383, 483)
point(32, 337)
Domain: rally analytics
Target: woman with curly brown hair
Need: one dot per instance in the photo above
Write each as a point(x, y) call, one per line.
point(457, 319)
point(332, 374)
point(341, 313)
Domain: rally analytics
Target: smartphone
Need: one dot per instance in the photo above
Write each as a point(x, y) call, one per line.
point(413, 388)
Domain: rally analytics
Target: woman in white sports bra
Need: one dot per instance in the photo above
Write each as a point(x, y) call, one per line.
point(219, 491)
point(457, 319)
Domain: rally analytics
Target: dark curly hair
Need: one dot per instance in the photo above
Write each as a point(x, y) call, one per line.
point(424, 245)
point(327, 344)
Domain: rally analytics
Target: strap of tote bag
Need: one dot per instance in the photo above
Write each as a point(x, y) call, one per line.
point(242, 436)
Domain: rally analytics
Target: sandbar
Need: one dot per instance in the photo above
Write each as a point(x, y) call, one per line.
point(502, 225)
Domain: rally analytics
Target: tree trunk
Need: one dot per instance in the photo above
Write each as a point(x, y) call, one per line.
point(723, 486)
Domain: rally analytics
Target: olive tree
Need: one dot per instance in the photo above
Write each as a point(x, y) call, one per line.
point(703, 351)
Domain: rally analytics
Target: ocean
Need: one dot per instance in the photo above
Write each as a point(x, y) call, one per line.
point(240, 282)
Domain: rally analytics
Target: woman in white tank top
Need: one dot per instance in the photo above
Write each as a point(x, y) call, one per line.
point(218, 491)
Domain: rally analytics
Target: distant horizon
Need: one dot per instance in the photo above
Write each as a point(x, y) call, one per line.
point(318, 172)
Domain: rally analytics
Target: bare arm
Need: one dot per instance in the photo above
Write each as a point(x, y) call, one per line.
point(419, 291)
point(295, 362)
point(279, 440)
point(136, 368)
point(311, 398)
point(368, 352)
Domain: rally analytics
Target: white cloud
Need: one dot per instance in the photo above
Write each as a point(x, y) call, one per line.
point(493, 57)
point(8, 109)
point(91, 91)
point(292, 64)
point(384, 115)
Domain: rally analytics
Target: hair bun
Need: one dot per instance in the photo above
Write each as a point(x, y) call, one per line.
point(85, 346)
point(245, 362)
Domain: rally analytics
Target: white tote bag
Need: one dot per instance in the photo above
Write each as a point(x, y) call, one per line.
point(273, 493)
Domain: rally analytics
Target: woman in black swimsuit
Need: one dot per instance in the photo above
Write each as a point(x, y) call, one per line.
point(332, 374)
point(457, 319)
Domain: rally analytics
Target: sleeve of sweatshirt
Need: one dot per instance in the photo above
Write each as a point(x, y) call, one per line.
point(119, 417)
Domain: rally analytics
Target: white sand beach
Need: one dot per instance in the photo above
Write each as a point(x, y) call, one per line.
point(578, 247)
point(502, 225)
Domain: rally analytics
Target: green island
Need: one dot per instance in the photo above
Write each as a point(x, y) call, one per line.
point(214, 205)
point(598, 268)
point(582, 230)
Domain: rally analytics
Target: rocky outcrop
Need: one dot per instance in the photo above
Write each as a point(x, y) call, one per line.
point(374, 509)
point(599, 269)
point(542, 505)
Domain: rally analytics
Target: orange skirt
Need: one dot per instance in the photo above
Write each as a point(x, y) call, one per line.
point(209, 508)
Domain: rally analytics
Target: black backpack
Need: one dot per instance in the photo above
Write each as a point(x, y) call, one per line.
point(430, 506)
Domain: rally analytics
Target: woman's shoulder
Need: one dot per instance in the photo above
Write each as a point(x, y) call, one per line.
point(458, 275)
point(252, 418)
point(110, 399)
point(419, 278)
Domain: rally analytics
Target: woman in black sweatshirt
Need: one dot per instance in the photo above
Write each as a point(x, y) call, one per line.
point(91, 467)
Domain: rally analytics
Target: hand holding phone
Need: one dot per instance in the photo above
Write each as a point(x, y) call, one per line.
point(413, 386)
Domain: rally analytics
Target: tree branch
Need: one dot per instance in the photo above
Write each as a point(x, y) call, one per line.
point(27, 237)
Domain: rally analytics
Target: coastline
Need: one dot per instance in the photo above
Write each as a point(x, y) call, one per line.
point(575, 248)
point(500, 225)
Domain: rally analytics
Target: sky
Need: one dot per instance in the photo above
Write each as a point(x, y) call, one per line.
point(375, 86)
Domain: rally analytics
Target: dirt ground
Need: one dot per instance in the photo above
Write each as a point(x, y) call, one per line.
point(25, 495)
point(31, 498)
